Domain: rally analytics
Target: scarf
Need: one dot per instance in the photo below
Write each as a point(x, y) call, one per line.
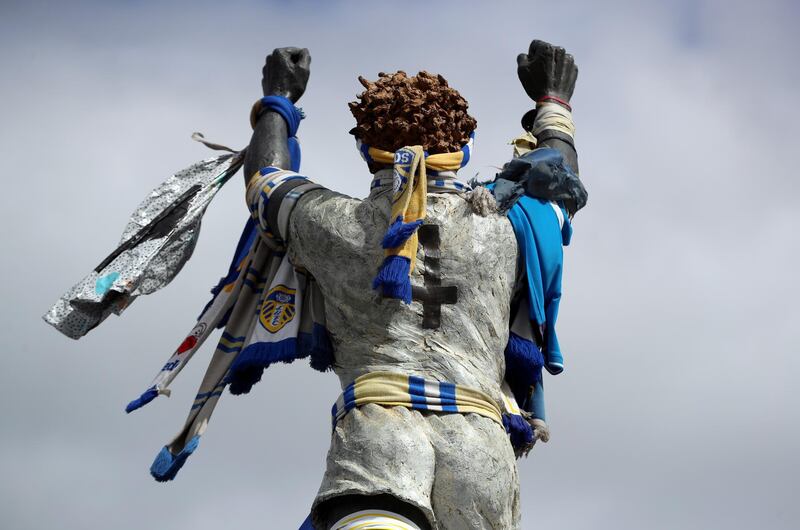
point(539, 193)
point(541, 228)
point(391, 389)
point(158, 240)
point(271, 312)
point(409, 201)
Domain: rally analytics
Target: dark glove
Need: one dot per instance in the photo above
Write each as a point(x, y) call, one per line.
point(286, 72)
point(547, 70)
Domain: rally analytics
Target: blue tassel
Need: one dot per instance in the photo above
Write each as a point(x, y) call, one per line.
point(399, 232)
point(393, 278)
point(524, 362)
point(166, 465)
point(519, 430)
point(248, 367)
point(149, 395)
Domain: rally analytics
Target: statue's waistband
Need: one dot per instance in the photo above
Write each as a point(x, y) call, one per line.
point(391, 389)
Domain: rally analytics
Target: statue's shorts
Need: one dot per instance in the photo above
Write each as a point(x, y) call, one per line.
point(458, 469)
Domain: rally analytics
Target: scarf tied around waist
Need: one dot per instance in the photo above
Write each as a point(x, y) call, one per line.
point(392, 389)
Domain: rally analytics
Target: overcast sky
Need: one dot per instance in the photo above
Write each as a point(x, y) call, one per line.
point(679, 321)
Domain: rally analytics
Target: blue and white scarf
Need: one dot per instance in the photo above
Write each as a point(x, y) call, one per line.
point(270, 311)
point(542, 228)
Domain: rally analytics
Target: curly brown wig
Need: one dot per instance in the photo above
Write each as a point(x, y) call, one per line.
point(399, 110)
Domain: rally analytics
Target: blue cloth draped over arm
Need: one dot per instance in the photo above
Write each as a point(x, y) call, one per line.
point(542, 227)
point(540, 238)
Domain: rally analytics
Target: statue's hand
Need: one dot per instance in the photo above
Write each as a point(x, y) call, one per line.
point(547, 70)
point(286, 72)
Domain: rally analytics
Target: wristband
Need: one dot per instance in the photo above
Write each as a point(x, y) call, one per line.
point(555, 99)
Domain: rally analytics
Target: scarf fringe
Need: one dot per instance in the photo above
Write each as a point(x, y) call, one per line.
point(393, 278)
point(520, 432)
point(524, 362)
point(166, 465)
point(147, 396)
point(399, 232)
point(248, 367)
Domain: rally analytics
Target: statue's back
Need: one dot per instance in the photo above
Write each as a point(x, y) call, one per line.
point(456, 327)
point(437, 463)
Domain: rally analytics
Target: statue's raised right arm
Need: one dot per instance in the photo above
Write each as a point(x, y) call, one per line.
point(548, 74)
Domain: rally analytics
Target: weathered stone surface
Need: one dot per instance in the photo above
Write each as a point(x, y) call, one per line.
point(457, 469)
point(460, 470)
point(338, 239)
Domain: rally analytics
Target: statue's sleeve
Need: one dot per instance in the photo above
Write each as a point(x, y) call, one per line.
point(296, 215)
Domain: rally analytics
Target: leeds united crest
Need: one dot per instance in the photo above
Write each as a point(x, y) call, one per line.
point(278, 308)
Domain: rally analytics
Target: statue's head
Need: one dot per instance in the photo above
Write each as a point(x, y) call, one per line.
point(398, 110)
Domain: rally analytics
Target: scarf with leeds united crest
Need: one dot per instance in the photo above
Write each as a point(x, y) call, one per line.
point(269, 311)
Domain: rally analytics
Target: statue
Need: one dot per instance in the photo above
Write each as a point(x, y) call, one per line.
point(433, 301)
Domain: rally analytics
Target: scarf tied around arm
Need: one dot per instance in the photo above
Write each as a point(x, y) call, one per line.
point(540, 193)
point(270, 311)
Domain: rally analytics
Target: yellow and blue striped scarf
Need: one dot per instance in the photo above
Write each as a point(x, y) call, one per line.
point(391, 389)
point(411, 167)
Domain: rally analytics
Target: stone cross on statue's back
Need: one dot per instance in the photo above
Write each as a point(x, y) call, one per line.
point(433, 294)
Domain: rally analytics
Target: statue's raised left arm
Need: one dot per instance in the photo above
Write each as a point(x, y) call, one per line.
point(285, 73)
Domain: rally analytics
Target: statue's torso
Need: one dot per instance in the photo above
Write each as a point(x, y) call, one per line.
point(339, 240)
point(459, 470)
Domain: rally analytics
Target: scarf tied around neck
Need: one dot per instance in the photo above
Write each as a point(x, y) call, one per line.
point(411, 167)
